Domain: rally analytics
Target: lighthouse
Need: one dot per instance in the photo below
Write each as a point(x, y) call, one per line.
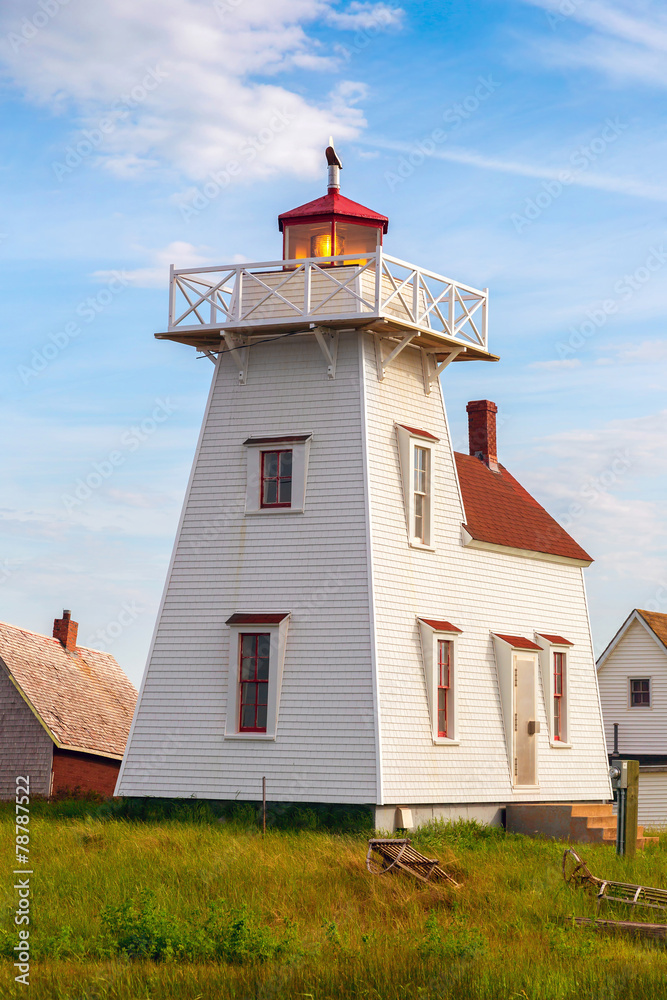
point(353, 611)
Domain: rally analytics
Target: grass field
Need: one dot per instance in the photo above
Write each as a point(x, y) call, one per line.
point(227, 913)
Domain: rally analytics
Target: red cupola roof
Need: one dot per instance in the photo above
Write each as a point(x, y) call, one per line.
point(333, 204)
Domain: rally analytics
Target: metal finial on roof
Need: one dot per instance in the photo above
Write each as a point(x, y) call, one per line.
point(334, 166)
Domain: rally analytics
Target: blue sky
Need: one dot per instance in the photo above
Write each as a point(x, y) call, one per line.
point(515, 145)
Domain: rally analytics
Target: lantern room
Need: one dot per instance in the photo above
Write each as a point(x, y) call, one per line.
point(332, 226)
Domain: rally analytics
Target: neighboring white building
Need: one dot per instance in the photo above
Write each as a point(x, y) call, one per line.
point(632, 674)
point(352, 610)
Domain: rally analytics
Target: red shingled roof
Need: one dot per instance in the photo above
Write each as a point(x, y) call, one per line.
point(555, 640)
point(84, 698)
point(518, 641)
point(440, 626)
point(249, 618)
point(500, 511)
point(333, 203)
point(657, 622)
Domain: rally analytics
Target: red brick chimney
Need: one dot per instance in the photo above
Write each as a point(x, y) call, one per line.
point(65, 630)
point(482, 431)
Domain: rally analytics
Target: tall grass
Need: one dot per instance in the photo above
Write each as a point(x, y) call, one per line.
point(192, 908)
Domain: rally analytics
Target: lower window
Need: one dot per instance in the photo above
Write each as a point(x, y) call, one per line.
point(438, 642)
point(444, 686)
point(559, 669)
point(254, 681)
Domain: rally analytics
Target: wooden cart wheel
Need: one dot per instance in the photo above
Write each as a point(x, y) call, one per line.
point(574, 869)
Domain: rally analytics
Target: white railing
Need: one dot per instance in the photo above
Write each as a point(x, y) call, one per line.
point(245, 297)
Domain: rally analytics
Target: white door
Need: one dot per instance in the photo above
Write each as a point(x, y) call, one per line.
point(525, 727)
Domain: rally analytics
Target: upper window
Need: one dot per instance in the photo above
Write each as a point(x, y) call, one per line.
point(640, 692)
point(277, 478)
point(254, 681)
point(421, 488)
point(416, 450)
point(277, 470)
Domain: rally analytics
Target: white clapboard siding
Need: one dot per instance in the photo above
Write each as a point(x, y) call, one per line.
point(478, 592)
point(653, 798)
point(313, 564)
point(640, 730)
point(316, 565)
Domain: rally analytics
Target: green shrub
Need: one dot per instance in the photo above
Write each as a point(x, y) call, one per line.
point(234, 936)
point(458, 942)
point(143, 929)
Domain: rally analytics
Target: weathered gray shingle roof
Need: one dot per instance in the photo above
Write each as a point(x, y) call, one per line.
point(83, 698)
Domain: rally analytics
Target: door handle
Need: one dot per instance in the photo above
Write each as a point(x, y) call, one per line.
point(533, 727)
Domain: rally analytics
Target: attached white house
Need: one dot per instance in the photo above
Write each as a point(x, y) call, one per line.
point(632, 675)
point(352, 610)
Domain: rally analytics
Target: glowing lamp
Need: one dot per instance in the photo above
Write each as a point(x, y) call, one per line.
point(320, 246)
point(331, 226)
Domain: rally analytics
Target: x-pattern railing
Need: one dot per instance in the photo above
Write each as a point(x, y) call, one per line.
point(237, 296)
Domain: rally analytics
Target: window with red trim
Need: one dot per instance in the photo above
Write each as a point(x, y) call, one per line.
point(559, 670)
point(276, 486)
point(254, 679)
point(640, 693)
point(444, 685)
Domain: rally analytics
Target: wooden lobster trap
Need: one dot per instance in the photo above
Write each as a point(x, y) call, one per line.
point(386, 854)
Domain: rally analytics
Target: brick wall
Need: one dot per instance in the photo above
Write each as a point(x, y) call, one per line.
point(25, 746)
point(85, 772)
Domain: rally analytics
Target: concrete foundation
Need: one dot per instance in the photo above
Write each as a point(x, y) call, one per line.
point(388, 818)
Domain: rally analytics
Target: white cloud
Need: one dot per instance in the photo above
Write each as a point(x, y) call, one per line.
point(647, 352)
point(556, 364)
point(626, 40)
point(364, 16)
point(156, 273)
point(187, 84)
point(606, 486)
point(577, 178)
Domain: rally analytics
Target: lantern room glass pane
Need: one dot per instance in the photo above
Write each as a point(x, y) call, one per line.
point(355, 239)
point(313, 240)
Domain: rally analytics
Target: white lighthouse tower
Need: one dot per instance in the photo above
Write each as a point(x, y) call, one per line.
point(351, 610)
